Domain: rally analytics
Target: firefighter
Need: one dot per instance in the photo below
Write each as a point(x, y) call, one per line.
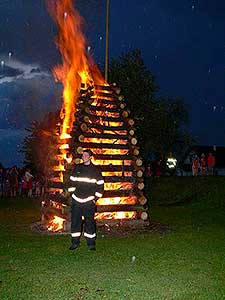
point(86, 185)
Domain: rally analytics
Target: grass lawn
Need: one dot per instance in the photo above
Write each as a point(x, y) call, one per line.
point(186, 263)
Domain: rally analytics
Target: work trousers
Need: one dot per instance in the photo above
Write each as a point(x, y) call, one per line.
point(87, 211)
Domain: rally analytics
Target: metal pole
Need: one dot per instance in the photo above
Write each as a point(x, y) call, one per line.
point(107, 41)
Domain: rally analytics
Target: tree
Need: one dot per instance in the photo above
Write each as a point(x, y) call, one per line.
point(137, 82)
point(160, 122)
point(40, 146)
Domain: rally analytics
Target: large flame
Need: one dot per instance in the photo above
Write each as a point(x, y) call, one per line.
point(77, 66)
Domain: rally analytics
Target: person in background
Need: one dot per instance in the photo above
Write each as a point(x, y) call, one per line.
point(158, 168)
point(2, 182)
point(195, 165)
point(13, 181)
point(86, 185)
point(148, 171)
point(28, 177)
point(211, 162)
point(203, 165)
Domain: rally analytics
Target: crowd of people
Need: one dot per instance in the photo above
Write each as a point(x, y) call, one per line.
point(204, 165)
point(20, 182)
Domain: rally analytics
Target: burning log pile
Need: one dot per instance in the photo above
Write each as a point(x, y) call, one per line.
point(93, 116)
point(102, 124)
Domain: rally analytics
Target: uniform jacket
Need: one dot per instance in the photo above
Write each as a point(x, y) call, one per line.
point(86, 183)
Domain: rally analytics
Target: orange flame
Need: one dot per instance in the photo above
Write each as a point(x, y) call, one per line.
point(56, 224)
point(77, 66)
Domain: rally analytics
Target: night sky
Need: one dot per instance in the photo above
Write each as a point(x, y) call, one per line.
point(182, 42)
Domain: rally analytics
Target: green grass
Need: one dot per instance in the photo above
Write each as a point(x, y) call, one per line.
point(186, 263)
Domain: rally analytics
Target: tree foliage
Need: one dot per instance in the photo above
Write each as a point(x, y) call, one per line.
point(160, 123)
point(40, 146)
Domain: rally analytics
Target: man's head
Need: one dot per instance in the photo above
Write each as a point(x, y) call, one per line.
point(87, 156)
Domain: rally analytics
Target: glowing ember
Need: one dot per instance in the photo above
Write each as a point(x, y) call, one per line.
point(116, 215)
point(56, 224)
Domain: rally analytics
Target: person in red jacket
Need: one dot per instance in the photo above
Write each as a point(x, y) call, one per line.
point(211, 161)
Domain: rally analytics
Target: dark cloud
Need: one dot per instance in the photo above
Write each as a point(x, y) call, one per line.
point(7, 71)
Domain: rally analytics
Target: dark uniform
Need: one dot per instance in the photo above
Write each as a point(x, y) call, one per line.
point(87, 185)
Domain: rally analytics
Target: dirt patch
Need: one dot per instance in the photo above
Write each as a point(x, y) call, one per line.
point(123, 231)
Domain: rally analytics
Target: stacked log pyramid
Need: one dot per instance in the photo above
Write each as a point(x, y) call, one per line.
point(103, 125)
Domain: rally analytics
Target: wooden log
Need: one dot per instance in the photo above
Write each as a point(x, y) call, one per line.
point(125, 114)
point(121, 98)
point(140, 185)
point(107, 88)
point(109, 101)
point(130, 122)
point(54, 212)
point(86, 119)
point(142, 200)
point(104, 118)
point(103, 109)
point(122, 193)
point(80, 150)
point(133, 141)
point(103, 127)
point(119, 179)
point(131, 132)
point(105, 94)
point(58, 198)
point(138, 162)
point(84, 127)
point(87, 109)
point(103, 136)
point(113, 157)
point(58, 185)
point(102, 146)
point(139, 173)
point(119, 207)
point(81, 138)
point(144, 216)
point(117, 91)
point(136, 152)
point(122, 105)
point(116, 168)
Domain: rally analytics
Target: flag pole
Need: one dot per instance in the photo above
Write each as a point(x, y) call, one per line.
point(107, 41)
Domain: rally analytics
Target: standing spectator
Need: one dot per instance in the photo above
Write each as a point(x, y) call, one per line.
point(211, 162)
point(195, 165)
point(158, 168)
point(29, 182)
point(13, 181)
point(2, 182)
point(203, 164)
point(148, 172)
